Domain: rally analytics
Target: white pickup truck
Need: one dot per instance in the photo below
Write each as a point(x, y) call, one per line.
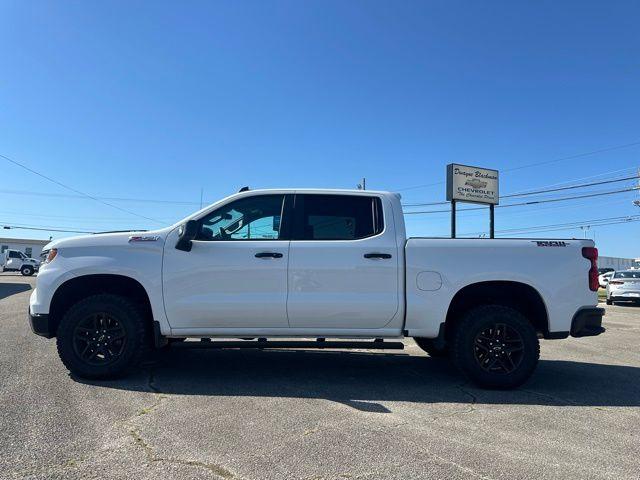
point(313, 264)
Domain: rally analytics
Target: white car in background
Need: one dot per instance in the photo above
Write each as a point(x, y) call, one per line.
point(603, 279)
point(624, 286)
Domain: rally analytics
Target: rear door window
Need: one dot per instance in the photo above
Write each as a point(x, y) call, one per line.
point(337, 217)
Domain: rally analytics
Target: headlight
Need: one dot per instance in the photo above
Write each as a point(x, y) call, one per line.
point(52, 254)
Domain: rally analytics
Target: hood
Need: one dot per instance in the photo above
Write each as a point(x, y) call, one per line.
point(108, 239)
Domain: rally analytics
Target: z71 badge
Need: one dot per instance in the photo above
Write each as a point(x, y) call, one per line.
point(551, 243)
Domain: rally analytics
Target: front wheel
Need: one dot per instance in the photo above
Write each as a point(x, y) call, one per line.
point(27, 270)
point(102, 336)
point(609, 301)
point(496, 347)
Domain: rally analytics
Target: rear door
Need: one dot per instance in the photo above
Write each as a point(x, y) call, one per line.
point(343, 263)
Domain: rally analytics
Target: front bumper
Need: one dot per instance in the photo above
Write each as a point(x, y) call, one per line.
point(587, 322)
point(41, 324)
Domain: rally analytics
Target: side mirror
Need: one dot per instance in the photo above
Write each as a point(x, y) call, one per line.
point(187, 232)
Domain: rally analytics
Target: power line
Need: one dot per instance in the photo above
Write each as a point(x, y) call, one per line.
point(42, 228)
point(573, 180)
point(560, 159)
point(568, 225)
point(75, 190)
point(533, 202)
point(617, 222)
point(537, 192)
point(115, 199)
point(571, 157)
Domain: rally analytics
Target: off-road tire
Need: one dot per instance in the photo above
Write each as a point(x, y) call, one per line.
point(466, 353)
point(134, 347)
point(429, 346)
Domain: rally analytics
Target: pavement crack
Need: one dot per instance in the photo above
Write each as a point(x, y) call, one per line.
point(549, 397)
point(466, 470)
point(149, 452)
point(471, 406)
point(153, 458)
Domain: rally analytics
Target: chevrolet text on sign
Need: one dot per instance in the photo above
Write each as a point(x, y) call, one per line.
point(472, 184)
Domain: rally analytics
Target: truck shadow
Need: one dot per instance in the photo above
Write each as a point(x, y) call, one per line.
point(8, 289)
point(367, 381)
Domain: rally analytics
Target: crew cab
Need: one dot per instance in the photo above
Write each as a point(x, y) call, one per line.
point(313, 264)
point(16, 261)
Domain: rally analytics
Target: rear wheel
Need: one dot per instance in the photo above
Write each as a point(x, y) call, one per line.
point(609, 301)
point(429, 346)
point(27, 270)
point(102, 336)
point(496, 347)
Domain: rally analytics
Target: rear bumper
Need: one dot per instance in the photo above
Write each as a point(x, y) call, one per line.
point(587, 322)
point(625, 297)
point(41, 325)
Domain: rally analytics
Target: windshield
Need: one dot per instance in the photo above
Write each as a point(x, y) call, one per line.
point(628, 274)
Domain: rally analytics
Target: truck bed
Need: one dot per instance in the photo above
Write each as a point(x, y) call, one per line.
point(438, 268)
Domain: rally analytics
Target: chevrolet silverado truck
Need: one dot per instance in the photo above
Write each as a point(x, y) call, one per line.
point(330, 266)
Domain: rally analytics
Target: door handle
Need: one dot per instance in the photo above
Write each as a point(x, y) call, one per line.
point(377, 255)
point(268, 255)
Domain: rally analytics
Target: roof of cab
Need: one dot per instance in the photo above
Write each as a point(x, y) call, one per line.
point(319, 190)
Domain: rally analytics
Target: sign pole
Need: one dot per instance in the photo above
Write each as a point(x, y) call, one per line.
point(453, 219)
point(473, 185)
point(492, 233)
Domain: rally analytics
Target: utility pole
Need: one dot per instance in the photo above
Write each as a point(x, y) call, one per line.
point(363, 185)
point(637, 202)
point(584, 229)
point(201, 195)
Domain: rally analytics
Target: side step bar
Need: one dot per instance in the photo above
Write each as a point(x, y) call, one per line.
point(377, 344)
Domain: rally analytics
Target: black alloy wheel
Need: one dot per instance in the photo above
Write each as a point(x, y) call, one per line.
point(103, 336)
point(99, 339)
point(499, 349)
point(495, 346)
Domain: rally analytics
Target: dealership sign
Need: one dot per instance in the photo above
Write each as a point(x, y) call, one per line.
point(472, 184)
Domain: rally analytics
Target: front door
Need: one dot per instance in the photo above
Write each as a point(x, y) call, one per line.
point(235, 275)
point(14, 260)
point(343, 263)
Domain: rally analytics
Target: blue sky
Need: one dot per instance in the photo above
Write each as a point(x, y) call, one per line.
point(158, 100)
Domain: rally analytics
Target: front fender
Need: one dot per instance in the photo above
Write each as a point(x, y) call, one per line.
point(142, 263)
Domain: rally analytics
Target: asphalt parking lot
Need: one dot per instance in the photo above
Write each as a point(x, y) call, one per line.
point(248, 414)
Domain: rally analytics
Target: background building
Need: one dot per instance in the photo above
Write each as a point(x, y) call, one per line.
point(31, 248)
point(617, 263)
